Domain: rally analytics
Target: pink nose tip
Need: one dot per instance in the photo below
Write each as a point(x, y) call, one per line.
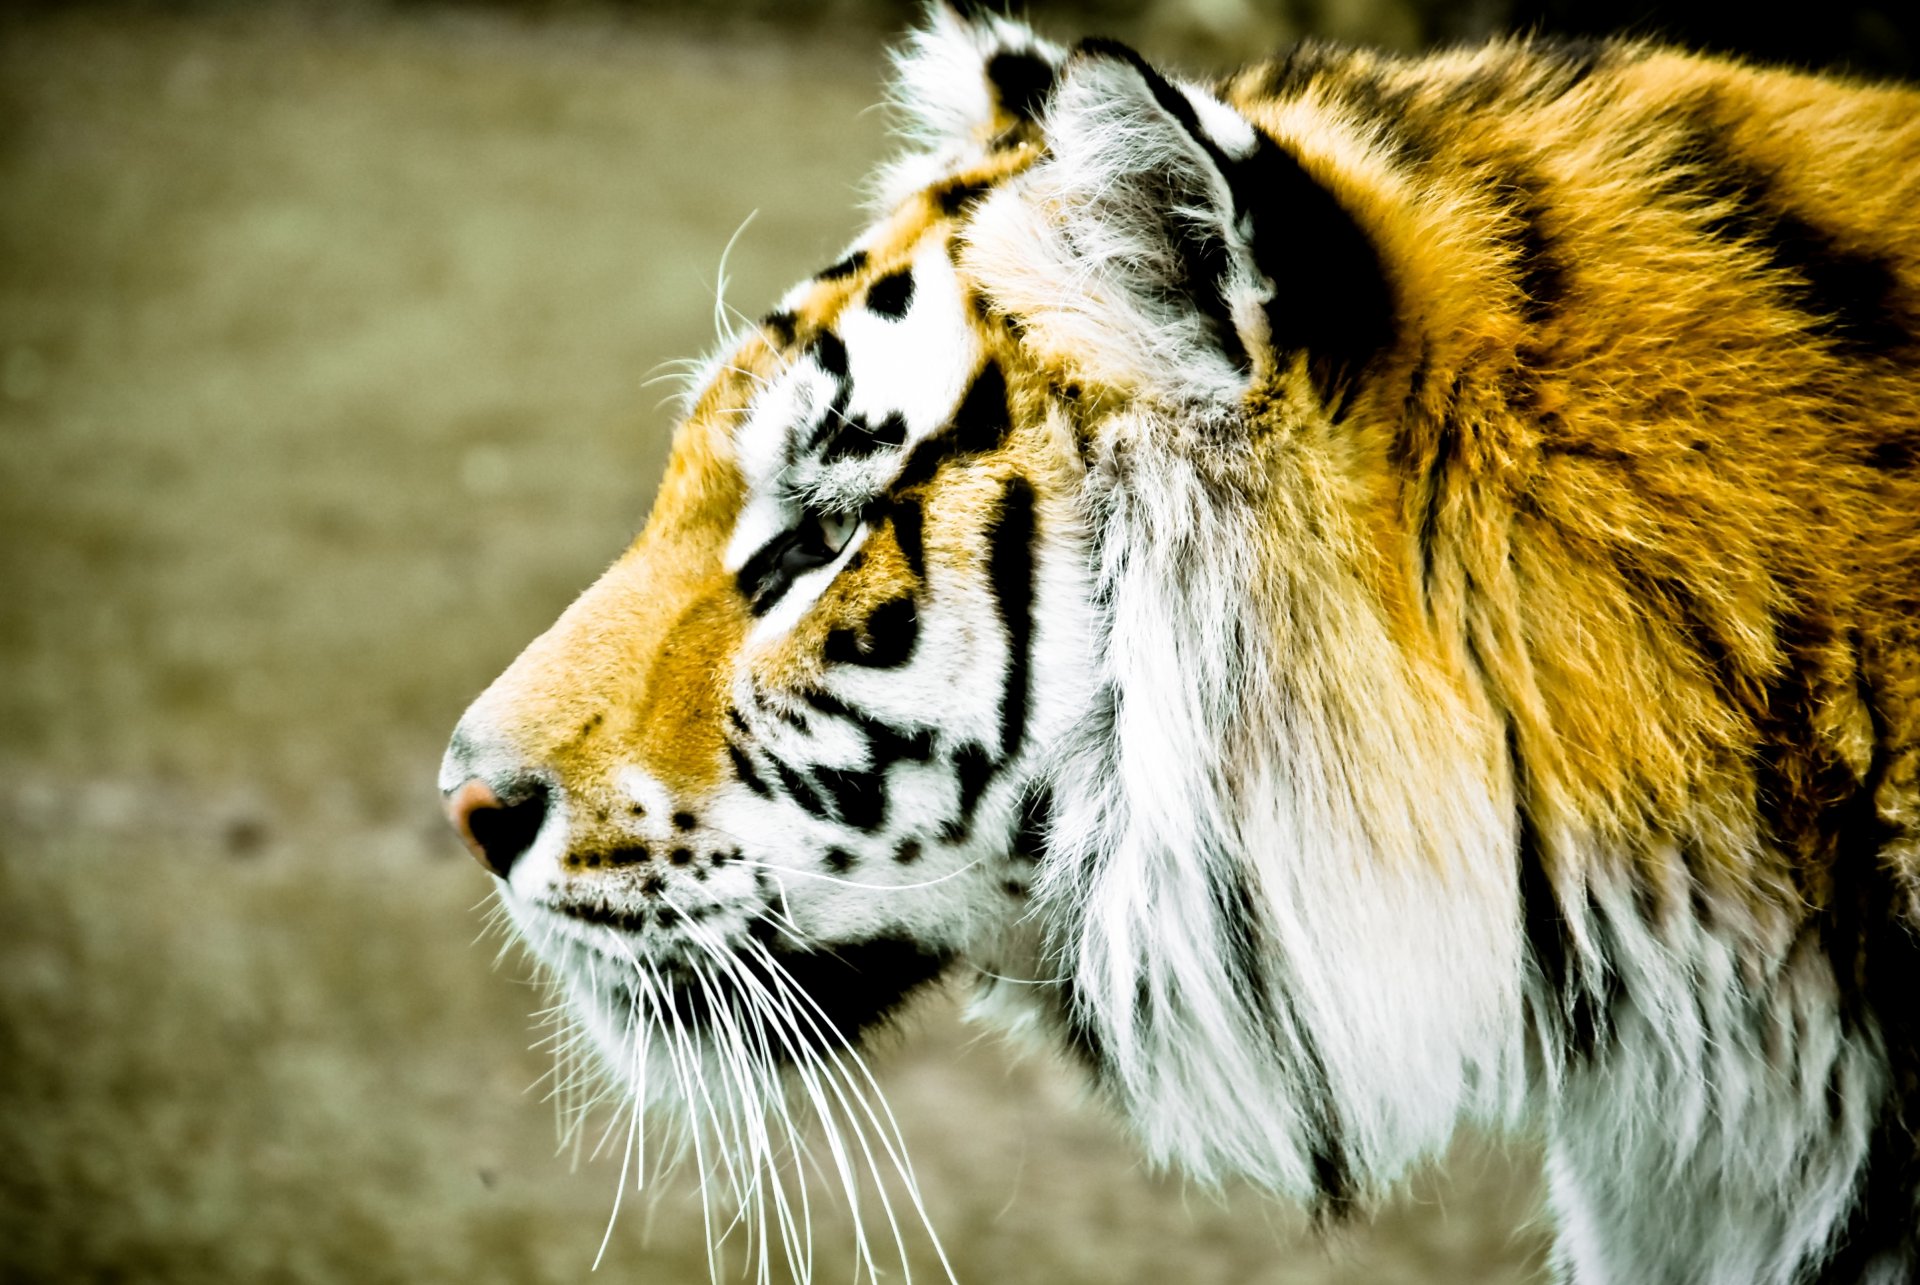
point(462, 804)
point(497, 833)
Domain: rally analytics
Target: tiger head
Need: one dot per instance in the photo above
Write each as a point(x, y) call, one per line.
point(934, 655)
point(790, 738)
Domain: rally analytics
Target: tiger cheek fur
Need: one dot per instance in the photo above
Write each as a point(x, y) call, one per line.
point(1372, 594)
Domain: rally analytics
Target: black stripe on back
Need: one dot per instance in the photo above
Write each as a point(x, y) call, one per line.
point(1581, 1011)
point(1295, 72)
point(1447, 433)
point(1541, 272)
point(1568, 61)
point(1330, 73)
point(1894, 454)
point(1849, 296)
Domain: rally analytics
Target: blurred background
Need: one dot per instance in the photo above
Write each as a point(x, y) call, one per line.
point(324, 339)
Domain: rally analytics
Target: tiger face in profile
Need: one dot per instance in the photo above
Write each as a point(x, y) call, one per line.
point(1384, 592)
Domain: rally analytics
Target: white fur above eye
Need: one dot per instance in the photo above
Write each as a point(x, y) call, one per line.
point(917, 365)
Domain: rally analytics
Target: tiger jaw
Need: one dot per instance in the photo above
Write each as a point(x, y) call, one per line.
point(730, 975)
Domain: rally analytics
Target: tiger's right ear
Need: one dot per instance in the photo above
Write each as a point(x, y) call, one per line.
point(969, 78)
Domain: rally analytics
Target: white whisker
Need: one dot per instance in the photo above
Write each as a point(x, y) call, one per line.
point(764, 1091)
point(720, 326)
point(892, 1141)
point(620, 1191)
point(1021, 981)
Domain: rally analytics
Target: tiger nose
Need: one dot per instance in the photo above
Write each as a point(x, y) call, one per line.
point(497, 833)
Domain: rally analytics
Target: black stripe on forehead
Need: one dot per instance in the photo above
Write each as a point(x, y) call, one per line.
point(845, 267)
point(782, 327)
point(856, 436)
point(892, 294)
point(980, 425)
point(830, 351)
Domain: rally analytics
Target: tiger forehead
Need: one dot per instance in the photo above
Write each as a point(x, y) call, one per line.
point(874, 355)
point(937, 212)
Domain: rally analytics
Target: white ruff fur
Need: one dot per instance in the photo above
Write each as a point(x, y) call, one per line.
point(1227, 759)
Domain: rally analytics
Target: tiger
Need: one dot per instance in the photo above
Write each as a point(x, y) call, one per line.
point(1363, 597)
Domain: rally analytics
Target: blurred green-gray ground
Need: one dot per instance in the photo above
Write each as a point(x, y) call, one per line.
point(323, 346)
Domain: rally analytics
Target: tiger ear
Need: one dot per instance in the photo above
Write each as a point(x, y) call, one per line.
point(1167, 244)
point(969, 77)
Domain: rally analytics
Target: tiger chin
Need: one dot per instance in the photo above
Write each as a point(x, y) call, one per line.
point(1359, 596)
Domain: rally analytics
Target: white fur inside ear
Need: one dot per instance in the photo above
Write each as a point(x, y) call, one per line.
point(1085, 247)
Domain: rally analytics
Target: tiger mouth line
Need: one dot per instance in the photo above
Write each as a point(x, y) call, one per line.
point(850, 987)
point(829, 994)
